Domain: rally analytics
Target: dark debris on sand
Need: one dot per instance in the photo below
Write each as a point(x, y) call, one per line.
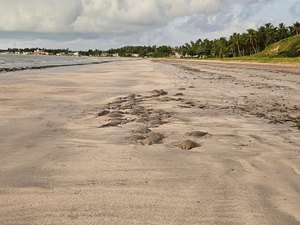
point(133, 108)
point(197, 134)
point(188, 145)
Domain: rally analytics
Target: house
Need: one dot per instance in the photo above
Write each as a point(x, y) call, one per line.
point(75, 53)
point(104, 54)
point(177, 55)
point(40, 52)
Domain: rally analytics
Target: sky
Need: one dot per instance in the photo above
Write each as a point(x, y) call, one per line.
point(104, 24)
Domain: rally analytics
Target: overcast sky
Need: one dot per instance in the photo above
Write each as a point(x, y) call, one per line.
point(102, 24)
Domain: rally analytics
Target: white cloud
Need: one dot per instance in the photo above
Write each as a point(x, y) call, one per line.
point(106, 16)
point(295, 10)
point(103, 20)
point(38, 16)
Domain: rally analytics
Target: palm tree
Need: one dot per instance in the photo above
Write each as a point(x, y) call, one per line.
point(196, 47)
point(219, 47)
point(251, 40)
point(269, 32)
point(207, 47)
point(296, 28)
point(261, 37)
point(235, 43)
point(282, 31)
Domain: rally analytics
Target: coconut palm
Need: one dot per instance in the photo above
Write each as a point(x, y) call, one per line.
point(235, 43)
point(282, 31)
point(269, 34)
point(261, 37)
point(219, 47)
point(251, 40)
point(296, 28)
point(207, 47)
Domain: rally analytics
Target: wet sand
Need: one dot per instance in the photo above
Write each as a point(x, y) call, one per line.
point(151, 142)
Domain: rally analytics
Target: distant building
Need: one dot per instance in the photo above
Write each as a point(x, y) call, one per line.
point(104, 54)
point(191, 56)
point(135, 55)
point(40, 52)
point(177, 55)
point(62, 54)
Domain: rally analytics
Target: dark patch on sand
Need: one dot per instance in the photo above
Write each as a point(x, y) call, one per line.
point(103, 113)
point(188, 145)
point(153, 138)
point(274, 108)
point(137, 108)
point(196, 134)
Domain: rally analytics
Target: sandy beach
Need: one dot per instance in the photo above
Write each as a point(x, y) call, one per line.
point(151, 142)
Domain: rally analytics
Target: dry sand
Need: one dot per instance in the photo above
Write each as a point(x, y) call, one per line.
point(62, 163)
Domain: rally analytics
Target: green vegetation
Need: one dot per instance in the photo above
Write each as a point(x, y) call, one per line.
point(289, 47)
point(237, 45)
point(259, 45)
point(32, 50)
point(142, 51)
point(289, 60)
point(284, 51)
point(246, 44)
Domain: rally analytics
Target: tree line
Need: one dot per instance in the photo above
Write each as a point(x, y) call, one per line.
point(142, 51)
point(238, 44)
point(31, 50)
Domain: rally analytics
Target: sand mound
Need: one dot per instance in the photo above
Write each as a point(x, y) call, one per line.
point(188, 145)
point(153, 138)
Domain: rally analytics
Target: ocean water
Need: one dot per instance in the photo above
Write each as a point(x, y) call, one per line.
point(11, 62)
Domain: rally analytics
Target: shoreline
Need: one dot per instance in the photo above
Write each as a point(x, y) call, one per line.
point(16, 69)
point(216, 61)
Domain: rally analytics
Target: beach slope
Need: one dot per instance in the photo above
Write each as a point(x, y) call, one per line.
point(151, 142)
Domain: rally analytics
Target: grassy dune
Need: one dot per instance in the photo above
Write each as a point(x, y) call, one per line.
point(289, 47)
point(285, 51)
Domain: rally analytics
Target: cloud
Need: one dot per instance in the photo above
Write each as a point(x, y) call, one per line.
point(38, 16)
point(124, 21)
point(102, 16)
point(231, 13)
point(295, 9)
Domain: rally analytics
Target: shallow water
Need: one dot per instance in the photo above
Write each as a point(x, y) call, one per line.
point(10, 61)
